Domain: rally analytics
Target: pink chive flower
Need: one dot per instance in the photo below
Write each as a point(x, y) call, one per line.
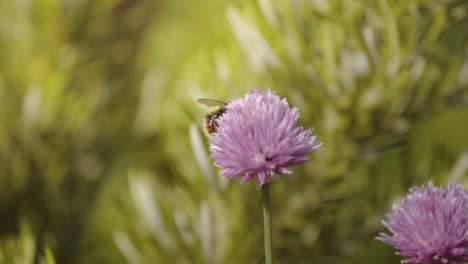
point(258, 137)
point(431, 225)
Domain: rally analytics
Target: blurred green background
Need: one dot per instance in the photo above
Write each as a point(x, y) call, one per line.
point(102, 156)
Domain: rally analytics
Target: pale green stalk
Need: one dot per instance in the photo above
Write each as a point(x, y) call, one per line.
point(267, 224)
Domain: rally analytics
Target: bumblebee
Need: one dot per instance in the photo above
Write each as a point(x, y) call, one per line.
point(218, 108)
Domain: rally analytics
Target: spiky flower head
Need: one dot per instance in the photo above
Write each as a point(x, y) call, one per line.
point(258, 137)
point(430, 226)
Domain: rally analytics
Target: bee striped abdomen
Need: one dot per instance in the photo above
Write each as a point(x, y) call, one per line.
point(211, 124)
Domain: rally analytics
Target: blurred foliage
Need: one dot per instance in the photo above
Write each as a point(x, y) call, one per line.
point(23, 248)
point(102, 158)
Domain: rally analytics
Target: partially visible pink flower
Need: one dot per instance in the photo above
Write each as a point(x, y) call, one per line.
point(431, 225)
point(258, 137)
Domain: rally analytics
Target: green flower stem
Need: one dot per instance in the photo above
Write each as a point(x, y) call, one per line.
point(267, 223)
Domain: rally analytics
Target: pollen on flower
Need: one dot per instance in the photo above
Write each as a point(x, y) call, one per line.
point(259, 159)
point(259, 138)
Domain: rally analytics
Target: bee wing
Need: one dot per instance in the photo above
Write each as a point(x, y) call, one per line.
point(210, 102)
